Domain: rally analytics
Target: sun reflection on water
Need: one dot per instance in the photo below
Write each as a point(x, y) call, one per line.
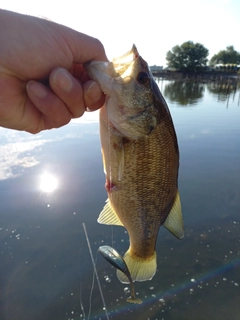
point(48, 182)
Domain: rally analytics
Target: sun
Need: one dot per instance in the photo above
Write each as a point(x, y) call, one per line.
point(48, 182)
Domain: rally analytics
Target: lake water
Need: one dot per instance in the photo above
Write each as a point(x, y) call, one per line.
point(53, 182)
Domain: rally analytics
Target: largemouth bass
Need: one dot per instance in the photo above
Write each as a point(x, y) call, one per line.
point(140, 157)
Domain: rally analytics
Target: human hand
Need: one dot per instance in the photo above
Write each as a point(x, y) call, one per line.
point(43, 84)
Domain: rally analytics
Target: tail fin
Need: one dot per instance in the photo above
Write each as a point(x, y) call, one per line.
point(140, 269)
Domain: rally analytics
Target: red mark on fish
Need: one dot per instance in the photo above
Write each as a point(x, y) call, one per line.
point(110, 186)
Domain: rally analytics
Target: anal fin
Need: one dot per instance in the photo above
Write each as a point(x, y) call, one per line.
point(174, 221)
point(108, 216)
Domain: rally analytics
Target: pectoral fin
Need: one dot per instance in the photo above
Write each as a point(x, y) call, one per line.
point(119, 149)
point(104, 162)
point(174, 221)
point(108, 216)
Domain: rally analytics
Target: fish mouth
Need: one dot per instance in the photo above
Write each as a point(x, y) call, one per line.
point(122, 64)
point(129, 103)
point(127, 57)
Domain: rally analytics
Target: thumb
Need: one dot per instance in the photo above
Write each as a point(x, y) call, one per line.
point(83, 47)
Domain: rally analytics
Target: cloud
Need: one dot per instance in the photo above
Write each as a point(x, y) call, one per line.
point(15, 156)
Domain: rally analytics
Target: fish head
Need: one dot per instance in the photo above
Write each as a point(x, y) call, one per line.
point(132, 95)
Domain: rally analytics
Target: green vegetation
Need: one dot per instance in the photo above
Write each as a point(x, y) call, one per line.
point(192, 57)
point(228, 56)
point(189, 56)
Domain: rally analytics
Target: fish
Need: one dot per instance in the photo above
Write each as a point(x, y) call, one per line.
point(140, 158)
point(113, 257)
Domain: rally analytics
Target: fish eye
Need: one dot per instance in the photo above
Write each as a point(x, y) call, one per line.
point(143, 78)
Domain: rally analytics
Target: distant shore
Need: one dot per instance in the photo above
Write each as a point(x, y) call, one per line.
point(204, 75)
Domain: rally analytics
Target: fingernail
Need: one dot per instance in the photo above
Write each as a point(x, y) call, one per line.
point(37, 89)
point(63, 80)
point(94, 92)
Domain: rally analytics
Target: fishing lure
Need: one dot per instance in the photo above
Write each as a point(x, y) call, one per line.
point(113, 257)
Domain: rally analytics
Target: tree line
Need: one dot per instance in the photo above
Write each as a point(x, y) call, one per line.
point(192, 57)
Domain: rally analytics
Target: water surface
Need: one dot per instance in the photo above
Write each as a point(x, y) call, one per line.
point(53, 182)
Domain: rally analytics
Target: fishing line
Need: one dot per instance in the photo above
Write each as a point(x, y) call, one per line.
point(81, 304)
point(90, 296)
point(112, 235)
point(80, 283)
point(95, 271)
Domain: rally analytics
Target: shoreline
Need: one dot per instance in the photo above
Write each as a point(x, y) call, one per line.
point(204, 76)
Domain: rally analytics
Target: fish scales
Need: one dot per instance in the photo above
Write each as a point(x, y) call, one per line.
point(141, 160)
point(148, 182)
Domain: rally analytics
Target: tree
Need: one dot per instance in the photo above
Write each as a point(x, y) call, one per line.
point(228, 56)
point(189, 56)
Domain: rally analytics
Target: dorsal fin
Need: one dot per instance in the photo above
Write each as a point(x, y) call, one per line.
point(174, 221)
point(108, 215)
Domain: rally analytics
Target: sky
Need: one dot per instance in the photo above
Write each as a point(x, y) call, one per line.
point(154, 26)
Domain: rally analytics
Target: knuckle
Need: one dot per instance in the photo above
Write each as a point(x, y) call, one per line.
point(100, 49)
